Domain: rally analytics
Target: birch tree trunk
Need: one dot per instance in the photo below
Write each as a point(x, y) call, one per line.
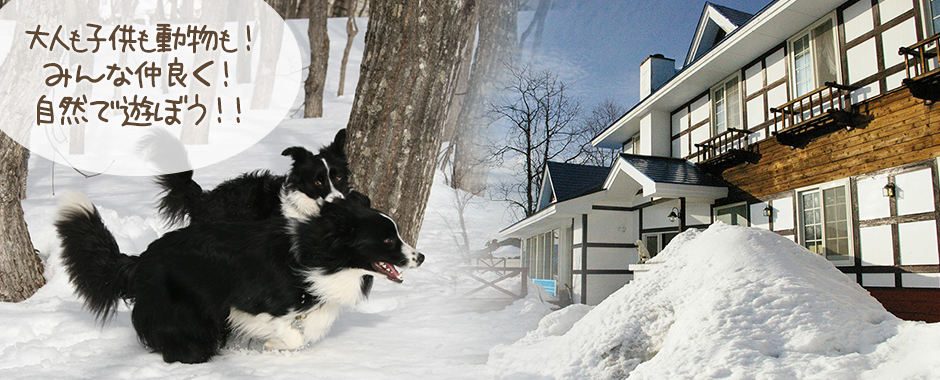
point(407, 78)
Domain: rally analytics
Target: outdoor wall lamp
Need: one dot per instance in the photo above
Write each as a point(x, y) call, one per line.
point(888, 190)
point(675, 214)
point(768, 211)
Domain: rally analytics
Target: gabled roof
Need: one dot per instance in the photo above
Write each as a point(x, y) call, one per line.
point(580, 187)
point(736, 17)
point(573, 180)
point(671, 170)
point(715, 24)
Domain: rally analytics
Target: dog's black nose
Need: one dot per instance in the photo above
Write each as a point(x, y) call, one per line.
point(420, 258)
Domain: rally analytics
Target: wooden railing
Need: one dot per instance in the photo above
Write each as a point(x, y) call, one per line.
point(732, 139)
point(830, 96)
point(917, 57)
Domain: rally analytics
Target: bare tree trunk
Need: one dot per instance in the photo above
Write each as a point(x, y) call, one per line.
point(496, 48)
point(317, 10)
point(460, 94)
point(351, 31)
point(270, 46)
point(538, 23)
point(20, 267)
point(408, 75)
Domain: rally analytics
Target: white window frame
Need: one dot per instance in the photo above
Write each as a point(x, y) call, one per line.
point(850, 222)
point(791, 57)
point(747, 216)
point(713, 106)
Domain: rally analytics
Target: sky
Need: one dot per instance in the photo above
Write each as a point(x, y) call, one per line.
point(598, 45)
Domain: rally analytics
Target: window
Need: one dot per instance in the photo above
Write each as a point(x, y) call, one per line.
point(655, 243)
point(813, 57)
point(632, 145)
point(541, 255)
point(824, 222)
point(735, 215)
point(935, 15)
point(726, 105)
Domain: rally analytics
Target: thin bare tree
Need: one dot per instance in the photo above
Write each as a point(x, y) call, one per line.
point(351, 31)
point(539, 117)
point(601, 117)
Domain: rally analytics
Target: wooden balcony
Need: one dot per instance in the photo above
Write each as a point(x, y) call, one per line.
point(820, 112)
point(726, 150)
point(923, 69)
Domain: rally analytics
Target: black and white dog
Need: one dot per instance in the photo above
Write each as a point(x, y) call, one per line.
point(194, 288)
point(313, 180)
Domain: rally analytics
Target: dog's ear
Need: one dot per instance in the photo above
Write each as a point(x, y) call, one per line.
point(358, 198)
point(298, 153)
point(337, 147)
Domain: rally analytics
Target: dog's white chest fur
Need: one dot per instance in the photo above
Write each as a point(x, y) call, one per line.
point(334, 291)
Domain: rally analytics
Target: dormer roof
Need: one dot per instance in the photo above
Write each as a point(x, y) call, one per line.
point(714, 25)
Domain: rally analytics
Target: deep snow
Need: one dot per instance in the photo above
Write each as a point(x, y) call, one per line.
point(419, 329)
point(729, 302)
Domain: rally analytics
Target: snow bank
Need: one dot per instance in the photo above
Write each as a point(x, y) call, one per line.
point(728, 302)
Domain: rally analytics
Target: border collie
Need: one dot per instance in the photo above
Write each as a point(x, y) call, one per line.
point(194, 288)
point(312, 181)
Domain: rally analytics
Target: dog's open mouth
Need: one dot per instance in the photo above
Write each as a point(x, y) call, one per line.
point(388, 270)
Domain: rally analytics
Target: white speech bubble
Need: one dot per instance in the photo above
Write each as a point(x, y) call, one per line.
point(147, 91)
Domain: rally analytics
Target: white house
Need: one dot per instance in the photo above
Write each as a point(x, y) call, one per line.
point(813, 118)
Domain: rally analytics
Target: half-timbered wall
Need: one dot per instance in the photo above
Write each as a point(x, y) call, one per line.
point(872, 33)
point(691, 124)
point(603, 247)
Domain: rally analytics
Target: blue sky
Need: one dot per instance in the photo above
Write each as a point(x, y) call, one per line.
point(596, 46)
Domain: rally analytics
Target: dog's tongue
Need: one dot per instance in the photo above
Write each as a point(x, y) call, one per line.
point(388, 270)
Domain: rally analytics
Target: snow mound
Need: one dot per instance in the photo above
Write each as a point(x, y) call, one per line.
point(727, 302)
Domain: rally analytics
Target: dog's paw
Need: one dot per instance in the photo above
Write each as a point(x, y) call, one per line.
point(291, 340)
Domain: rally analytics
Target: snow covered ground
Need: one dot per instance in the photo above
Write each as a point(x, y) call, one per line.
point(728, 302)
point(419, 329)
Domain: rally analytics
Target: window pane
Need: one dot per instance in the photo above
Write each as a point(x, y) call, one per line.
point(812, 226)
point(736, 215)
point(802, 66)
point(719, 104)
point(652, 244)
point(733, 104)
point(825, 54)
point(837, 226)
point(935, 10)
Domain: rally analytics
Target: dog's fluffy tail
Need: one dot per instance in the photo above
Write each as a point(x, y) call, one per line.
point(180, 196)
point(101, 274)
